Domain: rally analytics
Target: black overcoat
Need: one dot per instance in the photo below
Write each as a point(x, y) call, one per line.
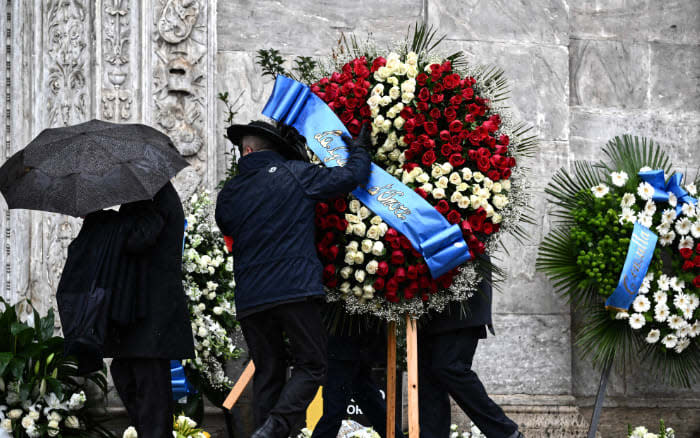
point(154, 241)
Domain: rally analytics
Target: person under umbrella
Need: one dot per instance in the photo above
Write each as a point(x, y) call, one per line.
point(120, 294)
point(268, 210)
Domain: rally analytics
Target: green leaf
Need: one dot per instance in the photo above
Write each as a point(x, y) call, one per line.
point(5, 358)
point(45, 325)
point(17, 328)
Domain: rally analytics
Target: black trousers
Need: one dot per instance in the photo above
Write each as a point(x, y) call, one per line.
point(350, 380)
point(264, 333)
point(145, 389)
point(444, 369)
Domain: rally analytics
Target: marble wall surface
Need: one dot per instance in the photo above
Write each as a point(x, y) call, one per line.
point(581, 72)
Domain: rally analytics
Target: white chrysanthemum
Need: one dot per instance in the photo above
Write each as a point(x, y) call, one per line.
point(672, 199)
point(628, 200)
point(683, 226)
point(660, 297)
point(692, 190)
point(687, 312)
point(645, 191)
point(663, 228)
point(619, 178)
point(669, 341)
point(622, 315)
point(681, 300)
point(637, 321)
point(694, 301)
point(669, 215)
point(641, 304)
point(683, 331)
point(686, 243)
point(682, 345)
point(667, 239)
point(695, 229)
point(689, 209)
point(644, 288)
point(661, 312)
point(695, 329)
point(645, 220)
point(650, 207)
point(600, 190)
point(627, 216)
point(653, 336)
point(675, 322)
point(677, 284)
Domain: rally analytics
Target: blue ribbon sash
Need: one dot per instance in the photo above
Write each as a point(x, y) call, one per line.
point(639, 254)
point(178, 380)
point(439, 242)
point(662, 189)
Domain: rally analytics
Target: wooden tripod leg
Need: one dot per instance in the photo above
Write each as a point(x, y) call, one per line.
point(391, 380)
point(240, 385)
point(412, 364)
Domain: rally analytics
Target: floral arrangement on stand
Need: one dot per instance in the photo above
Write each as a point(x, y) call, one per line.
point(473, 432)
point(209, 286)
point(440, 126)
point(41, 393)
point(598, 206)
point(643, 432)
point(183, 427)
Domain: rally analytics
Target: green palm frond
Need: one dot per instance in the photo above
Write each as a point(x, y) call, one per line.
point(631, 153)
point(558, 260)
point(526, 143)
point(566, 189)
point(423, 38)
point(604, 339)
point(676, 369)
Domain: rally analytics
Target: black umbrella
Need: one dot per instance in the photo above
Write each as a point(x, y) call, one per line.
point(87, 167)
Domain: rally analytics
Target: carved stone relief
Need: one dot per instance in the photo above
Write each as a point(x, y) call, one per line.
point(117, 98)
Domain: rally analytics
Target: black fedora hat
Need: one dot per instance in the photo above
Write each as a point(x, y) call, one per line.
point(286, 140)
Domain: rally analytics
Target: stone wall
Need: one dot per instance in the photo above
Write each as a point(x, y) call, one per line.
point(581, 72)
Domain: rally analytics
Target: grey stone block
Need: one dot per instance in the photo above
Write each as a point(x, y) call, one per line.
point(308, 27)
point(610, 19)
point(531, 354)
point(609, 73)
point(679, 132)
point(536, 21)
point(538, 76)
point(675, 77)
point(675, 21)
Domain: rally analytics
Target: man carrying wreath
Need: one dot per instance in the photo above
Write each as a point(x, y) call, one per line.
point(268, 211)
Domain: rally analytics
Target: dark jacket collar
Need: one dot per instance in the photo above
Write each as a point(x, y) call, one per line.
point(257, 160)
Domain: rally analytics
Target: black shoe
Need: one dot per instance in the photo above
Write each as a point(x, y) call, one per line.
point(271, 428)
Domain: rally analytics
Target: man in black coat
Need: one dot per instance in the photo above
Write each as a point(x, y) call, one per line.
point(268, 210)
point(142, 350)
point(446, 347)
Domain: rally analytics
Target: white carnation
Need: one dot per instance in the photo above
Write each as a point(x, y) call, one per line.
point(653, 336)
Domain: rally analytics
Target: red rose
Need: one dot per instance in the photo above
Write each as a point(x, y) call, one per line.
point(504, 140)
point(391, 234)
point(456, 160)
point(493, 175)
point(451, 81)
point(435, 113)
point(228, 241)
point(421, 192)
point(421, 79)
point(444, 135)
point(412, 290)
point(328, 271)
point(490, 126)
point(456, 100)
point(405, 243)
point(442, 206)
point(446, 67)
point(437, 98)
point(476, 222)
point(686, 253)
point(397, 257)
point(332, 221)
point(505, 174)
point(483, 164)
point(430, 128)
point(446, 149)
point(455, 126)
point(429, 158)
point(332, 282)
point(696, 281)
point(688, 265)
point(450, 114)
point(420, 120)
point(354, 127)
point(438, 88)
point(468, 93)
point(488, 228)
point(424, 282)
point(378, 62)
point(445, 280)
point(382, 269)
point(466, 227)
point(346, 116)
point(400, 274)
point(412, 272)
point(435, 68)
point(379, 284)
point(332, 252)
point(424, 94)
point(392, 286)
point(453, 217)
point(423, 106)
point(342, 225)
point(697, 248)
point(321, 208)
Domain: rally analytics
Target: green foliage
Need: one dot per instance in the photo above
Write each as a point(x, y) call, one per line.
point(271, 63)
point(232, 109)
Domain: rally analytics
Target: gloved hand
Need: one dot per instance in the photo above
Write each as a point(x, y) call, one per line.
point(363, 139)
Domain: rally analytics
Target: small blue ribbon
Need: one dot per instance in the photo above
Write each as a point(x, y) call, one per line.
point(639, 254)
point(440, 243)
point(181, 386)
point(662, 188)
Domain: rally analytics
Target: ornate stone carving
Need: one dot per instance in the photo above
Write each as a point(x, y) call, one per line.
point(179, 73)
point(67, 31)
point(117, 98)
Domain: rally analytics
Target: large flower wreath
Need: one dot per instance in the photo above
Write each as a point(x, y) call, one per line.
point(438, 125)
point(598, 205)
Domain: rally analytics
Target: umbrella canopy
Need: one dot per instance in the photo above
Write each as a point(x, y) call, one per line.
point(83, 168)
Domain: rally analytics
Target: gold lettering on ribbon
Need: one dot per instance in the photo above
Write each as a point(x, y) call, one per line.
point(325, 139)
point(642, 241)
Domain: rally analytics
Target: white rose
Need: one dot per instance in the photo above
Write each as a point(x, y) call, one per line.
point(455, 179)
point(427, 187)
point(406, 178)
point(506, 185)
point(408, 86)
point(371, 267)
point(378, 248)
point(373, 232)
point(456, 197)
point(202, 332)
point(423, 177)
point(14, 414)
point(349, 257)
point(344, 287)
point(376, 220)
point(6, 424)
point(462, 187)
point(367, 291)
point(364, 212)
point(395, 93)
point(357, 291)
point(463, 202)
point(360, 275)
point(500, 201)
point(358, 258)
point(478, 177)
point(489, 210)
point(497, 187)
point(412, 71)
point(374, 100)
point(378, 90)
point(411, 58)
point(218, 310)
point(346, 272)
point(475, 201)
point(394, 155)
point(442, 182)
point(446, 168)
point(488, 183)
point(496, 218)
point(366, 246)
point(359, 229)
point(354, 205)
point(27, 422)
point(383, 229)
point(438, 193)
point(399, 122)
point(466, 173)
point(393, 80)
